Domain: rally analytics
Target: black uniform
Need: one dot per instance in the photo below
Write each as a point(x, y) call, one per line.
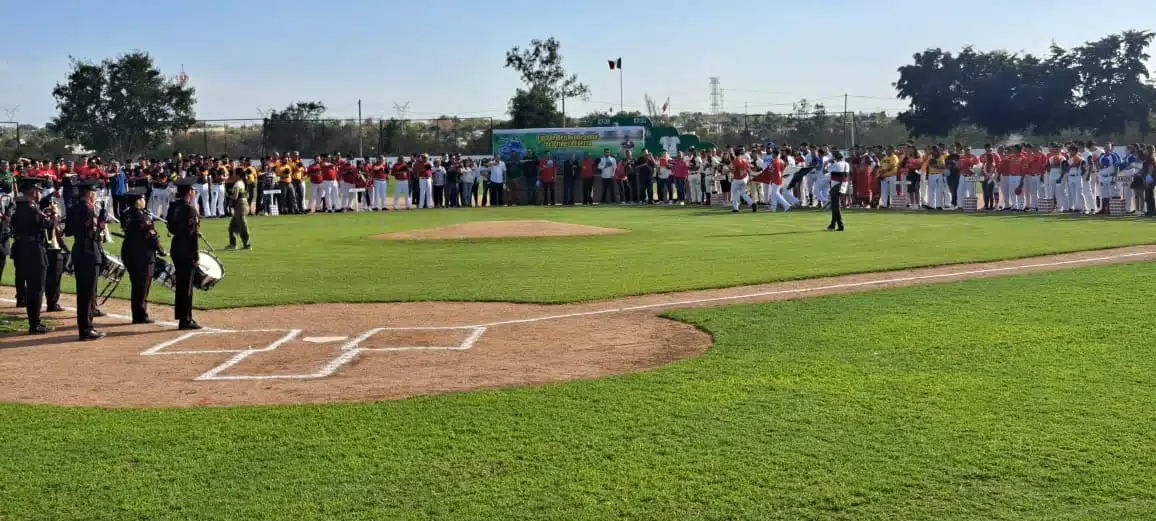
point(86, 226)
point(139, 252)
point(55, 255)
point(184, 225)
point(28, 253)
point(5, 236)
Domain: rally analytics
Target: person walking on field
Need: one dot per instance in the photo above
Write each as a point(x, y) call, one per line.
point(740, 172)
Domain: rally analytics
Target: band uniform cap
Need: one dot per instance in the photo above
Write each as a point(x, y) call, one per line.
point(86, 185)
point(30, 183)
point(185, 182)
point(133, 194)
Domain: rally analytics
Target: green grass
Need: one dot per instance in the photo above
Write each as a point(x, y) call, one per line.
point(12, 324)
point(999, 399)
point(333, 258)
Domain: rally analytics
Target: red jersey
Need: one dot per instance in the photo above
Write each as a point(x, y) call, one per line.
point(586, 168)
point(741, 168)
point(379, 173)
point(778, 166)
point(1014, 165)
point(967, 162)
point(314, 173)
point(349, 174)
point(1036, 163)
point(991, 162)
point(547, 170)
point(620, 171)
point(1056, 161)
point(328, 172)
point(400, 171)
point(425, 171)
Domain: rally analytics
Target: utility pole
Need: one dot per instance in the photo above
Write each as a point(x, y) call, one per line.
point(360, 134)
point(845, 126)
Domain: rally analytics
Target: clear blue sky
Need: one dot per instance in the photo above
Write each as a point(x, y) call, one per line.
point(446, 56)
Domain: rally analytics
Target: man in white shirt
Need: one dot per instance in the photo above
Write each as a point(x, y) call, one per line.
point(497, 181)
point(606, 167)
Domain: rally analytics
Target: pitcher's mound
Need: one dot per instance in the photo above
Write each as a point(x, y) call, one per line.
point(499, 229)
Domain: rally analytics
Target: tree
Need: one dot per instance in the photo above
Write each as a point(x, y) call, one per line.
point(1112, 84)
point(532, 108)
point(122, 106)
point(293, 128)
point(932, 84)
point(540, 67)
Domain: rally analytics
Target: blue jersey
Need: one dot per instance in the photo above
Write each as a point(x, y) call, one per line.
point(1109, 159)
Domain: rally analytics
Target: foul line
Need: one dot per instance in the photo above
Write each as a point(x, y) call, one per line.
point(845, 285)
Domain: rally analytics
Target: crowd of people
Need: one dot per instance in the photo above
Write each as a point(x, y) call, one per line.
point(1070, 177)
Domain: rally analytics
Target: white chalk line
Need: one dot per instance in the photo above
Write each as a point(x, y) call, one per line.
point(829, 287)
point(352, 348)
point(126, 318)
point(349, 351)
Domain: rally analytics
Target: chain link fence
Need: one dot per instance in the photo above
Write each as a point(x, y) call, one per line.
point(257, 138)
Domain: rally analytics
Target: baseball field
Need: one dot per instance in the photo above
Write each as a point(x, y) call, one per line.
point(610, 363)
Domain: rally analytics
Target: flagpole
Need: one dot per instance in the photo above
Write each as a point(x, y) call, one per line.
point(620, 104)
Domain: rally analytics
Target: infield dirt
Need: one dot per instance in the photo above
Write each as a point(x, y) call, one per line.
point(368, 352)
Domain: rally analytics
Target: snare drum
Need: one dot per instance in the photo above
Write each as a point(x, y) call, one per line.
point(164, 274)
point(208, 273)
point(112, 268)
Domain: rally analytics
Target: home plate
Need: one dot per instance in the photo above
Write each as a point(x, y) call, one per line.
point(323, 339)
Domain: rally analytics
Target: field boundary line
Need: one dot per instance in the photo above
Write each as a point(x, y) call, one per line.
point(820, 289)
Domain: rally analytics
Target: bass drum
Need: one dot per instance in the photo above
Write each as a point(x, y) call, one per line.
point(208, 273)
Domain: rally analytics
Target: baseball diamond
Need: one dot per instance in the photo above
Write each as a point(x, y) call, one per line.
point(574, 293)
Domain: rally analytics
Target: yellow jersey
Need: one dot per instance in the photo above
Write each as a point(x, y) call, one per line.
point(889, 166)
point(935, 165)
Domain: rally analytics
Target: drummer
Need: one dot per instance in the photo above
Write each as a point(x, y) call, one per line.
point(86, 225)
point(139, 251)
point(184, 223)
point(57, 253)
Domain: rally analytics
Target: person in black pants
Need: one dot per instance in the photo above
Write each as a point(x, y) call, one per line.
point(839, 170)
point(645, 168)
point(569, 175)
point(28, 251)
point(184, 223)
point(55, 250)
point(139, 251)
point(85, 225)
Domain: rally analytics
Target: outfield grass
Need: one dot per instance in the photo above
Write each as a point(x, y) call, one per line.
point(333, 258)
point(1000, 399)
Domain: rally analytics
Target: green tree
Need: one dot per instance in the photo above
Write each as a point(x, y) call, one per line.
point(547, 83)
point(294, 128)
point(123, 106)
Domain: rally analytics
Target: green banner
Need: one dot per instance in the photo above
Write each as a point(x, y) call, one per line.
point(566, 142)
